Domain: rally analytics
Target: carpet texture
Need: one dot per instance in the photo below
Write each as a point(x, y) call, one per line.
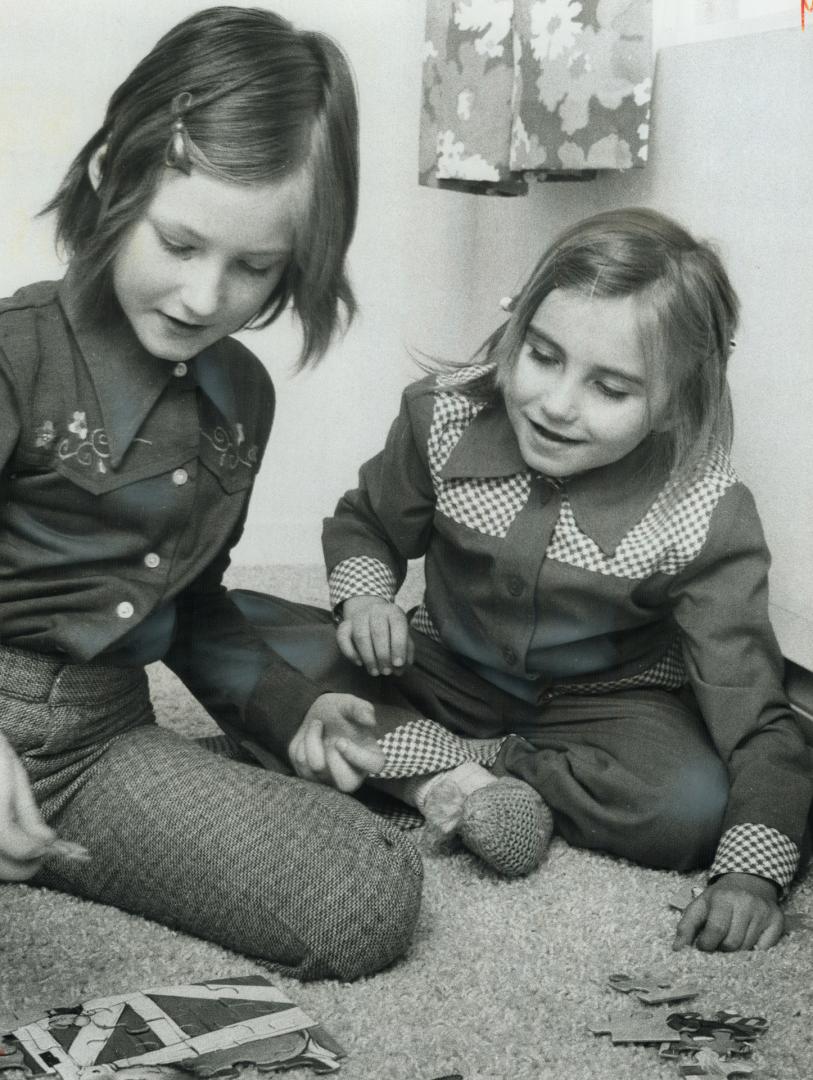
point(501, 981)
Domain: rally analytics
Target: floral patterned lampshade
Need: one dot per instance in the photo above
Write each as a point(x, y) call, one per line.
point(559, 88)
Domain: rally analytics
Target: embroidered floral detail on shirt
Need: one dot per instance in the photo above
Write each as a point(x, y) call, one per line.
point(79, 425)
point(45, 433)
point(91, 449)
point(228, 447)
point(487, 504)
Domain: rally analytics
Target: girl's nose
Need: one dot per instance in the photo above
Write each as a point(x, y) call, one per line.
point(202, 292)
point(561, 400)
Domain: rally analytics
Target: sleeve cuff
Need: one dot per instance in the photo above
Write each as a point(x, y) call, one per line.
point(361, 576)
point(757, 849)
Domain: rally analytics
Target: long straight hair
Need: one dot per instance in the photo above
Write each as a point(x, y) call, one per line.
point(687, 316)
point(265, 102)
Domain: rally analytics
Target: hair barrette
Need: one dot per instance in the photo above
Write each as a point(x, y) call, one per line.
point(177, 154)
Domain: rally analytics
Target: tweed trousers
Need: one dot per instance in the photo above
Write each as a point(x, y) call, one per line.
point(286, 871)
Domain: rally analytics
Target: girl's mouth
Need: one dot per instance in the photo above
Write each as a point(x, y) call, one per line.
point(553, 436)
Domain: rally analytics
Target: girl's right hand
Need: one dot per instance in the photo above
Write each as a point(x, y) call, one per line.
point(374, 634)
point(24, 836)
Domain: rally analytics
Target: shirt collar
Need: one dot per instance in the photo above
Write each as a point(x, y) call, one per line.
point(606, 501)
point(129, 380)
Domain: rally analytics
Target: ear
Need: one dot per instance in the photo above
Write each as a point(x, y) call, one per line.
point(96, 167)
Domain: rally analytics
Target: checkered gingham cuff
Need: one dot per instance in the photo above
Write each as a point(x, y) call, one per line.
point(361, 576)
point(756, 849)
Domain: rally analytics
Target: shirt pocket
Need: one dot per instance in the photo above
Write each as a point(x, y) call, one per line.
point(229, 455)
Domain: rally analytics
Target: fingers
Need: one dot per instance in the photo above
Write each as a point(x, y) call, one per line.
point(356, 710)
point(772, 932)
point(344, 639)
point(693, 918)
point(24, 836)
point(729, 921)
point(343, 775)
point(367, 758)
point(377, 638)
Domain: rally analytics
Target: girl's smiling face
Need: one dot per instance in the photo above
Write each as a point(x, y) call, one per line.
point(580, 394)
point(203, 259)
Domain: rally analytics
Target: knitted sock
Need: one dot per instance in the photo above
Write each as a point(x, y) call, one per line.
point(448, 792)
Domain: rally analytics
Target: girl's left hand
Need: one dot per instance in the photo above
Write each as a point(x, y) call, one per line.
point(737, 911)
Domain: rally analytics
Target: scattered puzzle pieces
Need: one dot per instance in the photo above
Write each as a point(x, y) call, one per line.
point(654, 989)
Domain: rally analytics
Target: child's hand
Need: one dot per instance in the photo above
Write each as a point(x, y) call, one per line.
point(332, 745)
point(737, 911)
point(24, 836)
point(374, 634)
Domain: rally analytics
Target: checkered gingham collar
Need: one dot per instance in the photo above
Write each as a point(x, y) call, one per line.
point(606, 502)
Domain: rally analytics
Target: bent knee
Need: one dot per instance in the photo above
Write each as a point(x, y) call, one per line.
point(689, 816)
point(366, 921)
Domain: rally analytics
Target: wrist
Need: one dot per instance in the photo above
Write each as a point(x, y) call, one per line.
point(361, 602)
point(752, 883)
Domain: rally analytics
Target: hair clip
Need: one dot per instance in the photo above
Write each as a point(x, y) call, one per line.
point(177, 154)
point(507, 303)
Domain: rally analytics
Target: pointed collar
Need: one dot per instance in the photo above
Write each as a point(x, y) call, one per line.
point(128, 380)
point(606, 502)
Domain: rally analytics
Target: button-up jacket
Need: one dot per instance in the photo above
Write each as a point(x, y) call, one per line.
point(125, 484)
point(608, 580)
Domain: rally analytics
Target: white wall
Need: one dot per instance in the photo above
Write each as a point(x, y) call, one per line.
point(731, 154)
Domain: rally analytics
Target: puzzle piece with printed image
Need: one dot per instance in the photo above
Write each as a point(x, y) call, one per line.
point(707, 1063)
point(206, 1028)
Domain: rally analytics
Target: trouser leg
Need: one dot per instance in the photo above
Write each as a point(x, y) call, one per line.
point(633, 774)
point(290, 872)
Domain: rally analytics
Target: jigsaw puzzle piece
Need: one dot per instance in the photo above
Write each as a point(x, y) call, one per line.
point(744, 1028)
point(636, 1028)
point(309, 1047)
point(684, 896)
point(722, 1043)
point(707, 1063)
point(654, 989)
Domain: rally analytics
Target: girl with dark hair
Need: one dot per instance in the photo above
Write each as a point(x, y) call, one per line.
point(593, 653)
point(220, 190)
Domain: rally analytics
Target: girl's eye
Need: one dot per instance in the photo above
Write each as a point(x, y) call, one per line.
point(181, 250)
point(611, 392)
point(542, 357)
point(258, 271)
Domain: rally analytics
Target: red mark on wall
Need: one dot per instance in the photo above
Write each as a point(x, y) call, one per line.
point(807, 9)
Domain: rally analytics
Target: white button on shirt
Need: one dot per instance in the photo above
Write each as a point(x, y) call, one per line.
point(152, 560)
point(180, 476)
point(180, 369)
point(125, 610)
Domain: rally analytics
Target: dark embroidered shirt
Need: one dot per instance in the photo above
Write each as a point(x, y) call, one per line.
point(125, 484)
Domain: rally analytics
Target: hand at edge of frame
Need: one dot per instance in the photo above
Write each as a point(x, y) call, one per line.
point(24, 836)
